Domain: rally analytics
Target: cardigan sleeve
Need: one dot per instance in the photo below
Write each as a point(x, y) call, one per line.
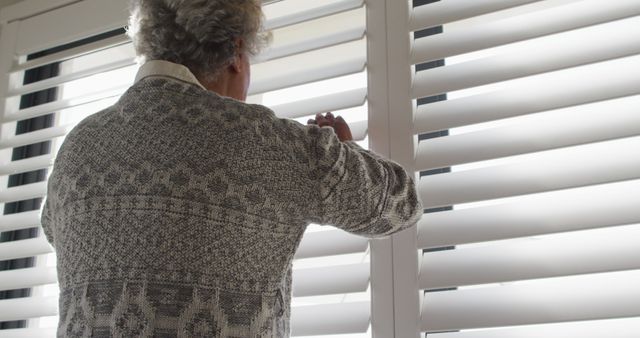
point(358, 190)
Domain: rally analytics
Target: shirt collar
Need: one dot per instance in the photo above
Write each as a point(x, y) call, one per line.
point(167, 69)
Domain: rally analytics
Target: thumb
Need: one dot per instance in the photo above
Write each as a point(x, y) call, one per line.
point(342, 129)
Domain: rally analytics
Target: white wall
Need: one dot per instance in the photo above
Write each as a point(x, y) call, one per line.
point(5, 3)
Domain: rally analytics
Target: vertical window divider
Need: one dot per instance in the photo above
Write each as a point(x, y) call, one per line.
point(395, 261)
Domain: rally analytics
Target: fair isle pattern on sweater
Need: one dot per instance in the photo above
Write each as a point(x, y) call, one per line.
point(177, 212)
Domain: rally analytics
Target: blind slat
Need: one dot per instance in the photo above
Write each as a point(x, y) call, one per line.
point(15, 114)
point(308, 67)
point(29, 164)
point(28, 333)
point(522, 27)
point(453, 10)
point(591, 297)
point(23, 192)
point(330, 280)
point(322, 104)
point(328, 319)
point(71, 53)
point(24, 248)
point(28, 277)
point(35, 136)
point(290, 12)
point(614, 328)
point(330, 242)
point(124, 60)
point(310, 35)
point(359, 130)
point(576, 48)
point(623, 79)
point(591, 123)
point(552, 256)
point(574, 209)
point(27, 308)
point(553, 170)
point(21, 220)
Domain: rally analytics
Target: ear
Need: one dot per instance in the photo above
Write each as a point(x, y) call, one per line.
point(237, 65)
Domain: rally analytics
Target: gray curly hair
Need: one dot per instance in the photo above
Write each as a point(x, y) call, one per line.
point(199, 34)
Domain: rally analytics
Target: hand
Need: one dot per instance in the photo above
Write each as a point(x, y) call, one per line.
point(338, 124)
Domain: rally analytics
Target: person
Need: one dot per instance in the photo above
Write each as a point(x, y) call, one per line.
point(177, 211)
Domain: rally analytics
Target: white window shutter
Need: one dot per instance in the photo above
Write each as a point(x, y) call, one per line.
point(530, 170)
point(316, 64)
point(90, 77)
point(530, 150)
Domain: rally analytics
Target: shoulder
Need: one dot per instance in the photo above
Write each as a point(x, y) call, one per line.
point(246, 110)
point(91, 126)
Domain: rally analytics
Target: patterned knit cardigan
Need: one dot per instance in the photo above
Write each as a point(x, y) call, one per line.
point(177, 212)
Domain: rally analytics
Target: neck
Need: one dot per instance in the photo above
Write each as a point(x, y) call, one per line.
point(220, 86)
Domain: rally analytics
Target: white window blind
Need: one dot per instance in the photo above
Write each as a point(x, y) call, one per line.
point(81, 80)
point(298, 76)
point(530, 166)
point(526, 137)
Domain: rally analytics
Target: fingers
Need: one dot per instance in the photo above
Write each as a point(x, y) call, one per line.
point(323, 121)
point(340, 120)
point(338, 124)
point(342, 129)
point(336, 120)
point(330, 118)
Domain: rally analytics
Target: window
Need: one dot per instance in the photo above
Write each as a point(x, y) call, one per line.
point(518, 118)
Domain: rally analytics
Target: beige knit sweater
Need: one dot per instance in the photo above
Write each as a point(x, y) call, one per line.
point(177, 212)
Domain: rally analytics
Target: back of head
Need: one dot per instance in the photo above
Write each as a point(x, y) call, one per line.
point(202, 35)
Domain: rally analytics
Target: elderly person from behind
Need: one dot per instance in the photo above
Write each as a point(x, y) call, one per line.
point(176, 212)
